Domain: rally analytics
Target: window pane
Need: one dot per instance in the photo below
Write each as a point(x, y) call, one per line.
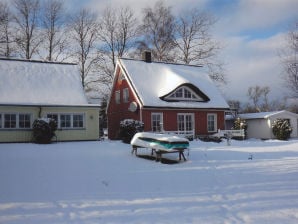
point(211, 123)
point(78, 121)
point(156, 120)
point(125, 95)
point(0, 120)
point(187, 94)
point(65, 121)
point(117, 97)
point(24, 121)
point(53, 116)
point(10, 121)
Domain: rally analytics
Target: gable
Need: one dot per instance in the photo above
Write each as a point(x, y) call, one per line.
point(34, 82)
point(186, 92)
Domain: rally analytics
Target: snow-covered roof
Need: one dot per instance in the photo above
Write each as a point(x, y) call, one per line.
point(24, 82)
point(265, 115)
point(154, 80)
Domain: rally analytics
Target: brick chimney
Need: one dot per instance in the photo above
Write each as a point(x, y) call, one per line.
point(146, 56)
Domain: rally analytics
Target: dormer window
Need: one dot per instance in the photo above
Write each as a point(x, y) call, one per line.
point(186, 92)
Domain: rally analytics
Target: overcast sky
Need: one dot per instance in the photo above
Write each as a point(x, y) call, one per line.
point(251, 31)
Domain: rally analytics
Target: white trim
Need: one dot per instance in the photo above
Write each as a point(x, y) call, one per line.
point(194, 96)
point(2, 121)
point(215, 122)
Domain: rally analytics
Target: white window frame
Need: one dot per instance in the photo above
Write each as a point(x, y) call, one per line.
point(185, 122)
point(184, 89)
point(125, 95)
point(17, 120)
point(71, 120)
point(158, 127)
point(214, 115)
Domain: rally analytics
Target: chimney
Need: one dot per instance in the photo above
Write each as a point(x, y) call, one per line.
point(146, 56)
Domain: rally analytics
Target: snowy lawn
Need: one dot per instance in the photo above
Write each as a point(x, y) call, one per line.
point(101, 182)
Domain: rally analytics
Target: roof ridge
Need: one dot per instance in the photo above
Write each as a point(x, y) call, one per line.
point(162, 62)
point(36, 61)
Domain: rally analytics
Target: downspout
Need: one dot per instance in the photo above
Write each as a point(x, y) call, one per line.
point(39, 113)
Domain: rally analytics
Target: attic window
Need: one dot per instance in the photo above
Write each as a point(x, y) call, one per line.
point(186, 92)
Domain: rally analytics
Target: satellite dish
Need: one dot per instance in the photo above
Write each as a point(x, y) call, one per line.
point(133, 106)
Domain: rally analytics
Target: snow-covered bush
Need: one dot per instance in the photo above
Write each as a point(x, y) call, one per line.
point(44, 130)
point(282, 129)
point(240, 124)
point(128, 128)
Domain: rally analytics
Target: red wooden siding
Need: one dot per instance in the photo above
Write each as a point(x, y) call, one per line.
point(118, 112)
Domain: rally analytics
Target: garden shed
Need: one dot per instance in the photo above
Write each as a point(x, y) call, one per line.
point(259, 125)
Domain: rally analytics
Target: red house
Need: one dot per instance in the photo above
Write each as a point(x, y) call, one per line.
point(166, 97)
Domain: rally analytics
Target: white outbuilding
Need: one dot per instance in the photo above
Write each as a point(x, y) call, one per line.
point(259, 125)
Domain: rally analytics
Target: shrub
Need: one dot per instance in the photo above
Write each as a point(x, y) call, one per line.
point(238, 125)
point(128, 128)
point(282, 129)
point(44, 130)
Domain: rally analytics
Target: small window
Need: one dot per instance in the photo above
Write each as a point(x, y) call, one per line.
point(10, 120)
point(24, 121)
point(211, 122)
point(117, 97)
point(125, 95)
point(0, 120)
point(156, 122)
point(53, 116)
point(65, 121)
point(184, 93)
point(78, 121)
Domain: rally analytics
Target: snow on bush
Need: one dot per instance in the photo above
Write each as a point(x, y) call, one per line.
point(44, 130)
point(128, 128)
point(282, 129)
point(238, 125)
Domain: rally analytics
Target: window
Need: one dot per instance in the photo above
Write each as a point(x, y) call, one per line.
point(125, 95)
point(184, 93)
point(24, 121)
point(78, 121)
point(212, 122)
point(68, 121)
point(0, 120)
point(53, 116)
point(185, 122)
point(156, 122)
point(117, 97)
point(65, 121)
point(10, 121)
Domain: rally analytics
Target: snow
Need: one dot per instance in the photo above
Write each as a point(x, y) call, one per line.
point(154, 80)
point(101, 182)
point(31, 83)
point(158, 141)
point(265, 115)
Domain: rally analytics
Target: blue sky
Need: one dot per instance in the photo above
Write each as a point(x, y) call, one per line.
point(251, 31)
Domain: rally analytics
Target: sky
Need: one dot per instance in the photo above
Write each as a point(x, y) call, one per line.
point(250, 31)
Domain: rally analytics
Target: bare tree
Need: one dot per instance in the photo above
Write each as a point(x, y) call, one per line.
point(84, 26)
point(118, 29)
point(195, 43)
point(53, 21)
point(289, 59)
point(117, 32)
point(26, 18)
point(158, 28)
point(259, 97)
point(6, 38)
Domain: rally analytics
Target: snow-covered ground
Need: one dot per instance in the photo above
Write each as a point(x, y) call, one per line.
point(101, 182)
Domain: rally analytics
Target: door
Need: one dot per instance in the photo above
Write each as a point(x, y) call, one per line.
point(185, 122)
